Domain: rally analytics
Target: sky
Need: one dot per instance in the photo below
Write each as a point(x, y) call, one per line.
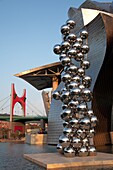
point(29, 29)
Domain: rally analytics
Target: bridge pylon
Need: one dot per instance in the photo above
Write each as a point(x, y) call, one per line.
point(16, 99)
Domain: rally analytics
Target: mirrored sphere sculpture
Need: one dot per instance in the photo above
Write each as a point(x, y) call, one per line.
point(65, 29)
point(64, 141)
point(57, 49)
point(79, 121)
point(59, 148)
point(83, 34)
point(81, 133)
point(65, 124)
point(65, 45)
point(85, 64)
point(71, 23)
point(67, 131)
point(69, 152)
point(76, 142)
point(56, 95)
point(92, 151)
point(71, 38)
point(74, 123)
point(83, 151)
point(66, 113)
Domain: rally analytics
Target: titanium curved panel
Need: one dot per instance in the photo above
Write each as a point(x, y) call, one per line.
point(103, 88)
point(55, 126)
point(76, 15)
point(97, 43)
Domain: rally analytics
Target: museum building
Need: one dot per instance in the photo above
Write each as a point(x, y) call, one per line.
point(97, 19)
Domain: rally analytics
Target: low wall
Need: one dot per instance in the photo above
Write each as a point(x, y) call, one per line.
point(34, 139)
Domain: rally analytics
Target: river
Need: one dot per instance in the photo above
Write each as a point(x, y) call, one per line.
point(11, 156)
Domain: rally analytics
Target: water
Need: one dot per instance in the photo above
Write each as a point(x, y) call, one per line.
point(11, 156)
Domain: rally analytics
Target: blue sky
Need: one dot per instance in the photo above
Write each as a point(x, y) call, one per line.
point(29, 29)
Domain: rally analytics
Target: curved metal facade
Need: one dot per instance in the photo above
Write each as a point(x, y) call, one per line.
point(100, 56)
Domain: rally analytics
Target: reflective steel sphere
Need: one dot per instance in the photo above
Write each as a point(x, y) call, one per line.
point(65, 61)
point(85, 49)
point(72, 70)
point(85, 123)
point(85, 64)
point(65, 114)
point(86, 81)
point(82, 108)
point(75, 93)
point(67, 131)
point(72, 53)
point(65, 46)
point(74, 123)
point(73, 104)
point(92, 151)
point(71, 23)
point(57, 49)
point(91, 133)
point(87, 95)
point(62, 56)
point(65, 97)
point(79, 56)
point(83, 151)
point(71, 38)
point(59, 148)
point(83, 34)
point(81, 86)
point(79, 40)
point(90, 113)
point(64, 141)
point(76, 142)
point(64, 106)
point(76, 79)
point(94, 121)
point(56, 95)
point(65, 124)
point(85, 142)
point(77, 46)
point(81, 72)
point(81, 133)
point(69, 152)
point(65, 29)
point(66, 78)
point(72, 85)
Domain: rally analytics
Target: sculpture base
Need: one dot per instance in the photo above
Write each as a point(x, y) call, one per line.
point(57, 161)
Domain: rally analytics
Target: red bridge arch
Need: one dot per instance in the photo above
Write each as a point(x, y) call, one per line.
point(16, 99)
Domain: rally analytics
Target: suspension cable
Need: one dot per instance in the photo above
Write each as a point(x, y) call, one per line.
point(5, 107)
point(34, 107)
point(4, 103)
point(4, 98)
point(34, 111)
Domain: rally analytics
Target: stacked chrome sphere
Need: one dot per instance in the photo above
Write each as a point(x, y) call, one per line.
point(79, 121)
